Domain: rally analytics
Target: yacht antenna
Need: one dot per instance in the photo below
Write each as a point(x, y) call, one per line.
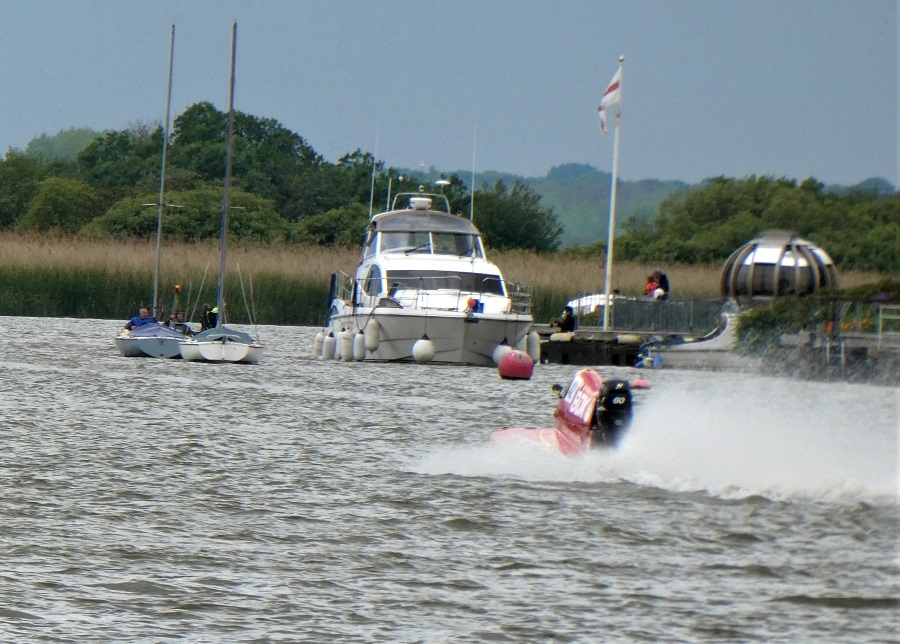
point(472, 200)
point(374, 165)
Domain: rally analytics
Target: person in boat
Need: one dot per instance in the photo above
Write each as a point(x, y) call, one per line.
point(567, 324)
point(142, 318)
point(662, 290)
point(178, 323)
point(210, 317)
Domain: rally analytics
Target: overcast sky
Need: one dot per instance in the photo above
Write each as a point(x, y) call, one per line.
point(792, 88)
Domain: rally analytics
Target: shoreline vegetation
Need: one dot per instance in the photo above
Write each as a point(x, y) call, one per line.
point(283, 284)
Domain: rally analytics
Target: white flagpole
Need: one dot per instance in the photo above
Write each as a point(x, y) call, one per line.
point(612, 209)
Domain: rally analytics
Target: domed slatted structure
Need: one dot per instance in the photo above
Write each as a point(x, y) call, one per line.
point(777, 263)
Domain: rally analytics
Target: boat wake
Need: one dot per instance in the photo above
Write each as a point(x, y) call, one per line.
point(780, 440)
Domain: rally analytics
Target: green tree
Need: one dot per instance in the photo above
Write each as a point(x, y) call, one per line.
point(197, 215)
point(323, 187)
point(118, 161)
point(514, 218)
point(65, 144)
point(20, 177)
point(338, 227)
point(65, 205)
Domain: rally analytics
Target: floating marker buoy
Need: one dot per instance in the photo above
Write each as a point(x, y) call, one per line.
point(317, 345)
point(372, 332)
point(328, 345)
point(516, 365)
point(359, 346)
point(641, 383)
point(423, 350)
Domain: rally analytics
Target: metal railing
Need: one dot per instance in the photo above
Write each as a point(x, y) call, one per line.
point(888, 316)
point(642, 315)
point(419, 292)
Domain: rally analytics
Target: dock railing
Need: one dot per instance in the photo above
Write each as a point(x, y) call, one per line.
point(643, 315)
point(888, 321)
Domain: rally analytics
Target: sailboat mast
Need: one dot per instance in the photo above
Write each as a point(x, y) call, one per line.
point(162, 176)
point(226, 197)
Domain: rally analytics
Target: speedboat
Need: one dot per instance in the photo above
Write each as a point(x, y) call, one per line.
point(592, 413)
point(425, 291)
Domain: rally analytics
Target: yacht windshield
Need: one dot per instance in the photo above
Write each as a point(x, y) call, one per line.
point(437, 243)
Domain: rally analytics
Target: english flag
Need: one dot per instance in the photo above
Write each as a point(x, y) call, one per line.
point(612, 97)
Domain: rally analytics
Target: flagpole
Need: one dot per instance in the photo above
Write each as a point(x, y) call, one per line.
point(612, 210)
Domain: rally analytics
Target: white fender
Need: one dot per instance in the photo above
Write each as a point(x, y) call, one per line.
point(499, 351)
point(423, 350)
point(533, 344)
point(346, 338)
point(337, 345)
point(359, 346)
point(328, 346)
point(317, 345)
point(372, 333)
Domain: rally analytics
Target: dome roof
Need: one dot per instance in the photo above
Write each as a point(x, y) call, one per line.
point(777, 263)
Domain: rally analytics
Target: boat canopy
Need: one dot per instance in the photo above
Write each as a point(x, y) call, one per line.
point(154, 331)
point(223, 333)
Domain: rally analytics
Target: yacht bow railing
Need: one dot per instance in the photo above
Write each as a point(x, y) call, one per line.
point(446, 293)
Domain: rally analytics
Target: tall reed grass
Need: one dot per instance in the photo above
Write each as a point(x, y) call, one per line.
point(46, 275)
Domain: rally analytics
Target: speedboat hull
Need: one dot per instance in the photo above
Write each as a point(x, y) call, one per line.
point(591, 413)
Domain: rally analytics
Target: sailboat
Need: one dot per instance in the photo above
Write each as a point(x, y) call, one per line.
point(220, 343)
point(155, 340)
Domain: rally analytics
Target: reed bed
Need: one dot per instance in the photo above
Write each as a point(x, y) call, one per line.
point(46, 275)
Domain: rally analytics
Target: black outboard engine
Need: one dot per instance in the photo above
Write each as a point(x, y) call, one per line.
point(613, 413)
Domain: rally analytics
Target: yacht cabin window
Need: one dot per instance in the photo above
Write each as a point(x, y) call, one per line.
point(372, 283)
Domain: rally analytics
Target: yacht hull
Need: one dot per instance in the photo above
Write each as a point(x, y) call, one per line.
point(457, 337)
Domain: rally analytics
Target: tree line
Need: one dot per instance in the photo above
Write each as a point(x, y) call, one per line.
point(283, 190)
point(858, 227)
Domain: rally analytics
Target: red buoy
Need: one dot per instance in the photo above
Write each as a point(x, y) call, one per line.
point(516, 365)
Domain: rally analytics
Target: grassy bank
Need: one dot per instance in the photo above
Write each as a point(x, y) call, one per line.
point(48, 276)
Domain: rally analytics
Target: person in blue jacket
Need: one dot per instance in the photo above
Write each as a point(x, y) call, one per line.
point(140, 320)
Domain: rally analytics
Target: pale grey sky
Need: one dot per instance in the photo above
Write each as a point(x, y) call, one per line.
point(792, 88)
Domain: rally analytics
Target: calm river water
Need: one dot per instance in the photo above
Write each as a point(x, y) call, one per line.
point(298, 500)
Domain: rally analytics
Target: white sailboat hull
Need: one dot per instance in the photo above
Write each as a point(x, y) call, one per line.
point(222, 344)
point(150, 341)
point(221, 351)
point(148, 347)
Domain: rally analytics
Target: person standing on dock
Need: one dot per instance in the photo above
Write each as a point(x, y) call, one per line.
point(663, 285)
point(567, 324)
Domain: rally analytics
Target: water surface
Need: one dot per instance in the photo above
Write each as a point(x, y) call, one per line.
point(155, 500)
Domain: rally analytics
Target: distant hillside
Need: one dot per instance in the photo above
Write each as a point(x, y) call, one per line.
point(579, 195)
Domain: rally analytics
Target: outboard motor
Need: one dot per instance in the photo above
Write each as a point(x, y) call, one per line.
point(613, 413)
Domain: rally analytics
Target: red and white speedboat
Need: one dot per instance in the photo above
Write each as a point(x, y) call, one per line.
point(591, 413)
